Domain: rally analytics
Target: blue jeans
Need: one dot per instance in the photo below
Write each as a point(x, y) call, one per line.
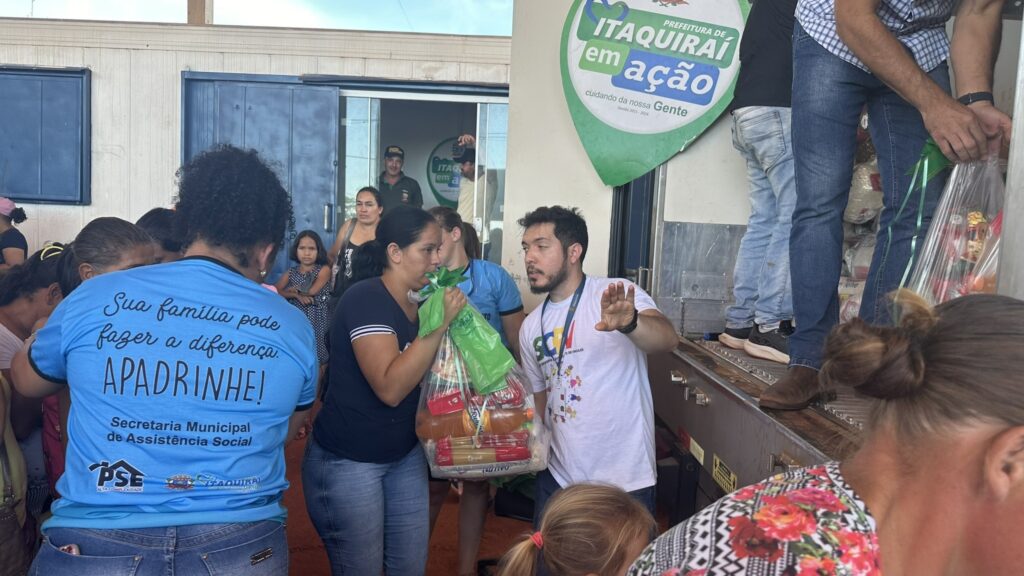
point(828, 94)
point(546, 486)
point(252, 548)
point(370, 516)
point(761, 281)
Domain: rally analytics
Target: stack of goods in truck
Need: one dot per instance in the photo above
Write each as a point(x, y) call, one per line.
point(860, 224)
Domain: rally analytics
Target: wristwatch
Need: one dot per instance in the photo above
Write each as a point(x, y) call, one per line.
point(632, 325)
point(971, 98)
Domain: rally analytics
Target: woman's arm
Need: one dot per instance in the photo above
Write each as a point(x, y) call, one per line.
point(332, 256)
point(393, 373)
point(12, 257)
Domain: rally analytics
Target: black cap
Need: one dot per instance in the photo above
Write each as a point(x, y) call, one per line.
point(394, 151)
point(467, 155)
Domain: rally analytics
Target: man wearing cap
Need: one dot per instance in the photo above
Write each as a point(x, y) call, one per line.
point(395, 187)
point(475, 201)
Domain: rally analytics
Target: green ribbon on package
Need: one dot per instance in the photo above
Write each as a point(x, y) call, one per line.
point(487, 359)
point(929, 165)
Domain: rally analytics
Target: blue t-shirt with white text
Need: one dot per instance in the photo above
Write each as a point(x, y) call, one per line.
point(183, 377)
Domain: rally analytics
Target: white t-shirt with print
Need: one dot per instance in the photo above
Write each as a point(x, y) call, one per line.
point(599, 408)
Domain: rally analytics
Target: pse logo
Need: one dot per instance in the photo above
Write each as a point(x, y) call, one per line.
point(117, 477)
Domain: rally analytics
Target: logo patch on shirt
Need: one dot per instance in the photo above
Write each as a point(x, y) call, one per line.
point(117, 477)
point(180, 482)
point(211, 482)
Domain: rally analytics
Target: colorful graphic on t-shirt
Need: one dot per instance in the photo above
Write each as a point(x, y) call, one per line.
point(570, 389)
point(548, 346)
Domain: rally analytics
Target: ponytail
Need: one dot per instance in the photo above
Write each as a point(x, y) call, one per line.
point(18, 215)
point(520, 560)
point(67, 270)
point(586, 529)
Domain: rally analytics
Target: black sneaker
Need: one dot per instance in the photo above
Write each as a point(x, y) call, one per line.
point(735, 338)
point(772, 345)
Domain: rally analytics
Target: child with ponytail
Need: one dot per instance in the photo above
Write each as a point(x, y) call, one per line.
point(587, 529)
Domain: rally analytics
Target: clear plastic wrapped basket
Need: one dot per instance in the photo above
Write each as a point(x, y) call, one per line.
point(466, 434)
point(476, 417)
point(961, 251)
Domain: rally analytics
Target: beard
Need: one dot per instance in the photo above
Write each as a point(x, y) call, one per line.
point(555, 281)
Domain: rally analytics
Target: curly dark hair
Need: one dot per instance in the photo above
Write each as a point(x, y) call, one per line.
point(570, 227)
point(229, 197)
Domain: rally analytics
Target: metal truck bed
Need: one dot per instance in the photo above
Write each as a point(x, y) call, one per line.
point(706, 395)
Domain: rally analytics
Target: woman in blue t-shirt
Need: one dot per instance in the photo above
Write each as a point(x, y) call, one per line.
point(186, 379)
point(364, 474)
point(493, 293)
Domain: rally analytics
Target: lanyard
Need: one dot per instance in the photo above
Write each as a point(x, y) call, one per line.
point(568, 321)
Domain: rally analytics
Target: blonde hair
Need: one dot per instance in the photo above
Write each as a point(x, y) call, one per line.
point(954, 364)
point(586, 529)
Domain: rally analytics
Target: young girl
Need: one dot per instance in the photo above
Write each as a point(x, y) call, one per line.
point(306, 285)
point(586, 529)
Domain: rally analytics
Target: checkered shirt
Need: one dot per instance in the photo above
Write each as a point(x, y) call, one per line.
point(919, 24)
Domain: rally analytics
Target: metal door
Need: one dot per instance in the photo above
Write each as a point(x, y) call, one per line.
point(294, 127)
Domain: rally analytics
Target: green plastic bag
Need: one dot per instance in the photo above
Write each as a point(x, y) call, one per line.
point(487, 359)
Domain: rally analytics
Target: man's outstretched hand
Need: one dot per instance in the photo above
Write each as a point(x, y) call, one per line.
point(618, 307)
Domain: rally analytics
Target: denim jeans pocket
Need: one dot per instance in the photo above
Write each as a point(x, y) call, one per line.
point(51, 560)
point(760, 132)
point(264, 555)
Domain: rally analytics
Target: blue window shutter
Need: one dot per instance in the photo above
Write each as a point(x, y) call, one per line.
point(44, 135)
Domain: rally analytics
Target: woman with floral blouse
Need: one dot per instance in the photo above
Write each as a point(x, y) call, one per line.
point(937, 486)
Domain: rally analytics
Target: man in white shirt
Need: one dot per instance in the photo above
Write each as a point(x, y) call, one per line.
point(584, 352)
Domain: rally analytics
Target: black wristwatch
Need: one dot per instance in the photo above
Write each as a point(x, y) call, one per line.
point(968, 99)
point(632, 325)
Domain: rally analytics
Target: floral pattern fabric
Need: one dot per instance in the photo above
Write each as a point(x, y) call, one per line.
point(808, 522)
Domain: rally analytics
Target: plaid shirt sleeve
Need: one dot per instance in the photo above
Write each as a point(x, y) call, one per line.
point(919, 24)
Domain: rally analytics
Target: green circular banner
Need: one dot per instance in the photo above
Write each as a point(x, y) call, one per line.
point(644, 78)
point(443, 174)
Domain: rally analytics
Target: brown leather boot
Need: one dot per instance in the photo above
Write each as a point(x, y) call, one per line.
point(798, 388)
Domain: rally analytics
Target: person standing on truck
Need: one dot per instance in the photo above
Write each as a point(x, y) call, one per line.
point(396, 188)
point(584, 353)
point(889, 55)
point(760, 319)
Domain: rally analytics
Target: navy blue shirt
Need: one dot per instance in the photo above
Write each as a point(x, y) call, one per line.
point(12, 238)
point(354, 423)
point(766, 56)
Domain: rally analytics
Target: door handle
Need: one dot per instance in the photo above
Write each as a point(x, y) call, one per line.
point(329, 217)
point(643, 278)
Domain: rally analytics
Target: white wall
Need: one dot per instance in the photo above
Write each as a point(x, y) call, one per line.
point(546, 162)
point(136, 89)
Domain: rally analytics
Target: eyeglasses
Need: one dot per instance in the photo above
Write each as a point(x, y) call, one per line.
point(55, 249)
